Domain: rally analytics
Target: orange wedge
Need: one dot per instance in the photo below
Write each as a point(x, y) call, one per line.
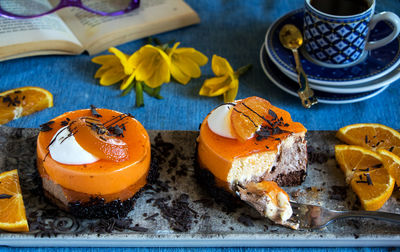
point(12, 209)
point(23, 101)
point(246, 117)
point(372, 136)
point(366, 174)
point(353, 159)
point(391, 163)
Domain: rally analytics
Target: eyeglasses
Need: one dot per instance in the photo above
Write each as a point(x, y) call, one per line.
point(20, 9)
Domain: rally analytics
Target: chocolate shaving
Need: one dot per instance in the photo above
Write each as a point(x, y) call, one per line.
point(5, 196)
point(116, 130)
point(178, 213)
point(391, 148)
point(46, 126)
point(338, 192)
point(139, 229)
point(377, 166)
point(114, 224)
point(151, 217)
point(369, 181)
point(245, 220)
point(94, 111)
point(273, 114)
point(11, 102)
point(64, 123)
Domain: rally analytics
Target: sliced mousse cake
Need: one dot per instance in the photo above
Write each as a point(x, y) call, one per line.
point(251, 148)
point(93, 162)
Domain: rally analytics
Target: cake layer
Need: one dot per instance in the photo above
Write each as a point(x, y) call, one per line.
point(66, 196)
point(103, 177)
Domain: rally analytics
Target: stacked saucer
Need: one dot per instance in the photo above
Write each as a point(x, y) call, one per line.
point(331, 85)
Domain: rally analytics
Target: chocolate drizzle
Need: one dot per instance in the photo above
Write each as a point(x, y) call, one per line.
point(248, 117)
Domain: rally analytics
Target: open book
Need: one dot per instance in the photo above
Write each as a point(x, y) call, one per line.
point(73, 30)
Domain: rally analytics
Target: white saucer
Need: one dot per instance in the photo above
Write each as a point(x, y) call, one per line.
point(286, 84)
point(378, 63)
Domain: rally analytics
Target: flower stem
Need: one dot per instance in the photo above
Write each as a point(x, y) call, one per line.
point(139, 94)
point(243, 69)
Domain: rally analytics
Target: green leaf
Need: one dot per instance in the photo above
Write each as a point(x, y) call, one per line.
point(153, 92)
point(157, 41)
point(164, 47)
point(128, 89)
point(148, 90)
point(156, 92)
point(171, 42)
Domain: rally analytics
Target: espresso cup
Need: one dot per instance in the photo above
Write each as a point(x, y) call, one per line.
point(339, 37)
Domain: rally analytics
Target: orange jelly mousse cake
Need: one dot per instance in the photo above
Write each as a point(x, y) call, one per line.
point(250, 148)
point(93, 162)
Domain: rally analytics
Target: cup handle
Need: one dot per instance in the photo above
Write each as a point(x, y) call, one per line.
point(383, 16)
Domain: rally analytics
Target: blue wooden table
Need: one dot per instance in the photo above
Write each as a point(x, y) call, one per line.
point(233, 29)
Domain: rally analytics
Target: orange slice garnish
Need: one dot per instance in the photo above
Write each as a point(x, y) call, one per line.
point(366, 174)
point(94, 137)
point(12, 209)
point(247, 116)
point(371, 135)
point(23, 101)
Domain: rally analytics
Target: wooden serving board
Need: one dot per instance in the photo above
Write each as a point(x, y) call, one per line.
point(177, 212)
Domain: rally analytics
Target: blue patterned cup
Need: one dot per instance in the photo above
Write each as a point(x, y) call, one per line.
point(340, 41)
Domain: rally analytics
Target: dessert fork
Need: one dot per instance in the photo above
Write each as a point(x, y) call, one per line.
point(315, 217)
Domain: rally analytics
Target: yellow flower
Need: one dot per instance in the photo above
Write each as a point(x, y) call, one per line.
point(226, 81)
point(185, 63)
point(113, 67)
point(151, 66)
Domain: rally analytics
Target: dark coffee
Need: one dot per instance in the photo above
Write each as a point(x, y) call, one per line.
point(341, 7)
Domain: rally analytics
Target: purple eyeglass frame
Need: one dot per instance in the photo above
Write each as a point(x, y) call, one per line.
point(73, 3)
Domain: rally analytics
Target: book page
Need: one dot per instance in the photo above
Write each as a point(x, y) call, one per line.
point(97, 33)
point(21, 36)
